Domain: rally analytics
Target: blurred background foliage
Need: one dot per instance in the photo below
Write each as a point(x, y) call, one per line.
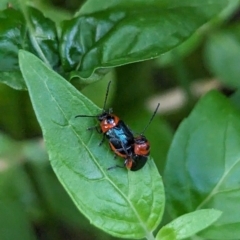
point(33, 204)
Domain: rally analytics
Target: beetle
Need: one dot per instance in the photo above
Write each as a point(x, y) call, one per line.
point(119, 135)
point(137, 157)
point(135, 162)
point(141, 144)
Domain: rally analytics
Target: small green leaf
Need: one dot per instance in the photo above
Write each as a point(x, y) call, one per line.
point(222, 54)
point(120, 202)
point(166, 234)
point(189, 224)
point(203, 165)
point(120, 32)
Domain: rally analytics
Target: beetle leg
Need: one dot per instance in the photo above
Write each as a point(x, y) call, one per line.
point(103, 138)
point(94, 128)
point(113, 167)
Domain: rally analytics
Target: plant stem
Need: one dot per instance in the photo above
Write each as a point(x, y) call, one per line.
point(150, 236)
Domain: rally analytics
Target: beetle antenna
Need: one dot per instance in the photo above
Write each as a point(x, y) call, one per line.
point(85, 116)
point(106, 96)
point(105, 101)
point(150, 119)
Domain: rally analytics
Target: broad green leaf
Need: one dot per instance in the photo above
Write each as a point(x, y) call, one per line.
point(120, 32)
point(203, 165)
point(51, 11)
point(189, 224)
point(49, 189)
point(33, 32)
point(120, 202)
point(183, 50)
point(106, 35)
point(20, 203)
point(222, 54)
point(92, 6)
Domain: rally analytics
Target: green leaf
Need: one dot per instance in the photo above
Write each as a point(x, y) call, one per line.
point(222, 54)
point(48, 189)
point(107, 35)
point(189, 224)
point(120, 202)
point(120, 32)
point(43, 37)
point(183, 50)
point(92, 6)
point(166, 234)
point(12, 23)
point(203, 165)
point(32, 32)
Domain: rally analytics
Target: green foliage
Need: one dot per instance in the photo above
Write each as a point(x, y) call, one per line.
point(189, 224)
point(223, 55)
point(34, 33)
point(203, 164)
point(89, 44)
point(60, 54)
point(81, 167)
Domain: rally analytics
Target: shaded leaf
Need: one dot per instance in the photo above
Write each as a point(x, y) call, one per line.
point(110, 35)
point(203, 165)
point(222, 54)
point(109, 199)
point(33, 32)
point(121, 32)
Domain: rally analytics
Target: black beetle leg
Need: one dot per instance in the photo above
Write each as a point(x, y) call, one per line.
point(103, 138)
point(93, 128)
point(113, 167)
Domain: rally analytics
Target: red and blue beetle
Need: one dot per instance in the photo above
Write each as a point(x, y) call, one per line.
point(134, 150)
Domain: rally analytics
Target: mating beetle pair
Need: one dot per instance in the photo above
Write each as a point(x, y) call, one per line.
point(134, 149)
